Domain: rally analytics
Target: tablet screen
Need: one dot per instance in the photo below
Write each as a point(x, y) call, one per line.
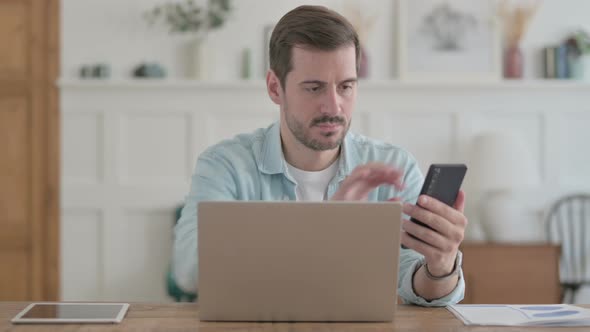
point(74, 312)
point(69, 311)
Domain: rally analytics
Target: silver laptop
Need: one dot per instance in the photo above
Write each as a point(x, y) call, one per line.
point(298, 261)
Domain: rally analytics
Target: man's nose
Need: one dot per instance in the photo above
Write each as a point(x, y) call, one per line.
point(331, 102)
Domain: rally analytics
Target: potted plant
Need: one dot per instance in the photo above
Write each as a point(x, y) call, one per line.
point(188, 17)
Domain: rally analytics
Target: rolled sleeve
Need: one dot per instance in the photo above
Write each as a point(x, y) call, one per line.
point(185, 248)
point(410, 262)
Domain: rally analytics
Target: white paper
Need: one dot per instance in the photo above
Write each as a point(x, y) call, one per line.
point(521, 314)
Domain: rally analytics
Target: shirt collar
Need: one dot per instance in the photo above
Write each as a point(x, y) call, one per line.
point(270, 156)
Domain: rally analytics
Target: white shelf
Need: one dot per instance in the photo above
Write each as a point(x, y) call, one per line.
point(259, 84)
point(502, 84)
point(157, 83)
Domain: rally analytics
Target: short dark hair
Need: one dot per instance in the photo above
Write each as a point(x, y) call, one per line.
point(314, 27)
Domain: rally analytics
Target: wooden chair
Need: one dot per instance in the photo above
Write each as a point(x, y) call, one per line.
point(568, 224)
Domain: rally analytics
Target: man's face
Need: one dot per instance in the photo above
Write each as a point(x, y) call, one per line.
point(320, 93)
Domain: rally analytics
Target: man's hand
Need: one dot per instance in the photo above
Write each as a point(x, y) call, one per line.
point(440, 244)
point(363, 179)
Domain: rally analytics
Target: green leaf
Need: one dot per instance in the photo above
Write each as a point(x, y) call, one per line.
point(186, 15)
point(225, 5)
point(215, 20)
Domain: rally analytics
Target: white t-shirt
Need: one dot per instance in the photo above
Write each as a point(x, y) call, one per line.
point(312, 186)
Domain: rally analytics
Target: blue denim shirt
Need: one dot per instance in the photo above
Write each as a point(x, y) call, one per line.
point(252, 167)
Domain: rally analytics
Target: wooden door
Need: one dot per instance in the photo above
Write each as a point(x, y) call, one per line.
point(29, 155)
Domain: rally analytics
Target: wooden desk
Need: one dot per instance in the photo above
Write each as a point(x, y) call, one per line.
point(184, 317)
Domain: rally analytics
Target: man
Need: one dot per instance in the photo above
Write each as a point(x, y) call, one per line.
point(310, 155)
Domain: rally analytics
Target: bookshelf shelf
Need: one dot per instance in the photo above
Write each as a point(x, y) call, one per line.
point(371, 84)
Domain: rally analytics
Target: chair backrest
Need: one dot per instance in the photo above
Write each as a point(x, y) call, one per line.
point(568, 224)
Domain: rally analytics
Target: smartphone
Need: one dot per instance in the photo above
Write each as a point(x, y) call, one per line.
point(442, 182)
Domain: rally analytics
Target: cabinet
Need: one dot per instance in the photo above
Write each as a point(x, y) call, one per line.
point(511, 273)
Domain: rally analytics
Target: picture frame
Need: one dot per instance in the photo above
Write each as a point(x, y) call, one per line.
point(450, 40)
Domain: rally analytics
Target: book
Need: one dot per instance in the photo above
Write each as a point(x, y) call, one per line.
point(521, 315)
point(549, 58)
point(561, 62)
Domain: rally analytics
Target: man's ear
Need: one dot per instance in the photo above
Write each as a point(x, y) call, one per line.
point(273, 86)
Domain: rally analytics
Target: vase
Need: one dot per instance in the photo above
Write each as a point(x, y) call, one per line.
point(513, 62)
point(579, 67)
point(246, 64)
point(364, 63)
point(200, 61)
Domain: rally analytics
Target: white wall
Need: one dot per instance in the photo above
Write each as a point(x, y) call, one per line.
point(114, 32)
point(129, 149)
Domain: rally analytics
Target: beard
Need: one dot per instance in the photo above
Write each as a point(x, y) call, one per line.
point(303, 133)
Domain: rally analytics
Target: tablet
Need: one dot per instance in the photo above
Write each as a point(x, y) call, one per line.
point(59, 313)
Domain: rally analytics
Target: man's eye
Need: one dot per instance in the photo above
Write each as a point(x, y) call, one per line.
point(346, 88)
point(313, 89)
